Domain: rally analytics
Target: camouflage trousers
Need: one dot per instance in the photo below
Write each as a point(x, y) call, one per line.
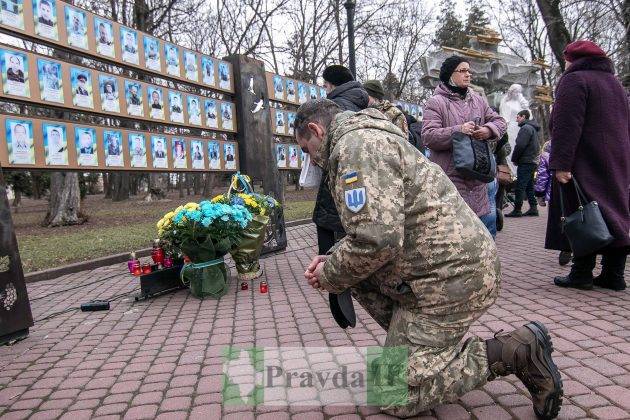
point(440, 368)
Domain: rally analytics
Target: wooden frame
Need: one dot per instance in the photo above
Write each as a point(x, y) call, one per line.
point(97, 134)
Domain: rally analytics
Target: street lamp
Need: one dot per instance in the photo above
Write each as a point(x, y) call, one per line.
point(349, 5)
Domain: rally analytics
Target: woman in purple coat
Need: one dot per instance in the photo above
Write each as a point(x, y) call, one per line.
point(590, 127)
point(453, 107)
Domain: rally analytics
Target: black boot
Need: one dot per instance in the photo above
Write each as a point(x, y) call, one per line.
point(499, 220)
point(581, 275)
point(565, 257)
point(515, 213)
point(533, 211)
point(613, 267)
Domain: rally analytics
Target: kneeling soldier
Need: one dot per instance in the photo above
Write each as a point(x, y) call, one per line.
point(419, 260)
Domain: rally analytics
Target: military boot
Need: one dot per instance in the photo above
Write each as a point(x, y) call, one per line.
point(526, 352)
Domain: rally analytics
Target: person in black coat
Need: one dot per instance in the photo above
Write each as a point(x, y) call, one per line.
point(350, 95)
point(591, 144)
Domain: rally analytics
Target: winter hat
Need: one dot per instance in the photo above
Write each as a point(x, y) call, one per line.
point(583, 48)
point(337, 75)
point(374, 89)
point(448, 67)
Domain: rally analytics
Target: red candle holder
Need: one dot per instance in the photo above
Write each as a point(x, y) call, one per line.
point(168, 262)
point(146, 269)
point(264, 288)
point(157, 255)
point(136, 270)
point(244, 286)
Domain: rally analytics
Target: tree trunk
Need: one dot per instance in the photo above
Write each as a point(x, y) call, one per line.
point(210, 182)
point(197, 183)
point(64, 206)
point(17, 199)
point(107, 184)
point(157, 187)
point(120, 186)
point(188, 178)
point(38, 188)
point(559, 36)
point(180, 184)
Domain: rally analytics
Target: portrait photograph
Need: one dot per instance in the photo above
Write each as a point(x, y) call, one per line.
point(302, 93)
point(50, 80)
point(113, 146)
point(280, 125)
point(176, 108)
point(190, 66)
point(281, 155)
point(278, 87)
point(171, 54)
point(15, 73)
point(207, 70)
point(313, 90)
point(85, 144)
point(19, 135)
point(76, 27)
point(156, 102)
point(213, 155)
point(227, 121)
point(12, 13)
point(291, 122)
point(137, 150)
point(210, 110)
point(134, 98)
point(194, 110)
point(224, 76)
point(45, 19)
point(293, 157)
point(290, 90)
point(179, 153)
point(196, 151)
point(152, 59)
point(129, 46)
point(229, 155)
point(81, 82)
point(55, 144)
point(322, 93)
point(108, 89)
point(104, 35)
point(158, 152)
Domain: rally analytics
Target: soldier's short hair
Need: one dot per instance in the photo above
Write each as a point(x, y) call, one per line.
point(321, 111)
point(525, 113)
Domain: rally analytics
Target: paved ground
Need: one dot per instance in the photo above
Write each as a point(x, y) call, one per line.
point(162, 358)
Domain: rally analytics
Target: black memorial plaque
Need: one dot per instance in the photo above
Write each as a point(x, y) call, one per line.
point(15, 308)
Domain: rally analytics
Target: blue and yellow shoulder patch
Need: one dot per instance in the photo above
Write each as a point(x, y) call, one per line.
point(351, 177)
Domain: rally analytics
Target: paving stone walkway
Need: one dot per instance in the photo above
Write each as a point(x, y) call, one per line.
point(163, 358)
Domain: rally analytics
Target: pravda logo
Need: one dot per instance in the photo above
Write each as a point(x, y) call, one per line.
point(315, 376)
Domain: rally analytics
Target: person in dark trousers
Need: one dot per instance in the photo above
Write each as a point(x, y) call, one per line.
point(591, 143)
point(525, 157)
point(350, 95)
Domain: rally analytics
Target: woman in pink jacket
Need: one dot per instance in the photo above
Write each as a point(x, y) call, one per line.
point(453, 107)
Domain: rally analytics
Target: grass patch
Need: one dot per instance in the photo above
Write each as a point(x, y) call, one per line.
point(54, 249)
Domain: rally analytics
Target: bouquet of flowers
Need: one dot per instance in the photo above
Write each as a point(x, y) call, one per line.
point(204, 232)
point(246, 254)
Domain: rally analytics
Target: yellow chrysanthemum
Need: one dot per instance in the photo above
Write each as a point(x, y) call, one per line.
point(178, 209)
point(169, 215)
point(191, 206)
point(217, 198)
point(160, 224)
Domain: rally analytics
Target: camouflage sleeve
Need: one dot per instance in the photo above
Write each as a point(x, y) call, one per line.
point(401, 122)
point(367, 186)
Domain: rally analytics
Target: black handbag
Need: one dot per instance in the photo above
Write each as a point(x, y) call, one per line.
point(473, 159)
point(585, 229)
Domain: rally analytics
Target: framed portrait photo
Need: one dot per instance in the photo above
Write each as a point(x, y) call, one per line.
point(113, 146)
point(81, 81)
point(109, 92)
point(229, 155)
point(179, 153)
point(278, 87)
point(15, 73)
point(302, 96)
point(85, 144)
point(158, 152)
point(225, 81)
point(313, 90)
point(207, 71)
point(12, 13)
point(194, 110)
point(280, 124)
point(129, 46)
point(152, 59)
point(134, 98)
point(50, 80)
point(214, 155)
point(227, 116)
point(210, 110)
point(291, 122)
point(104, 35)
point(156, 102)
point(55, 144)
point(19, 135)
point(171, 54)
point(137, 150)
point(322, 93)
point(290, 90)
point(281, 155)
point(294, 160)
point(190, 66)
point(197, 154)
point(45, 19)
point(76, 27)
point(176, 108)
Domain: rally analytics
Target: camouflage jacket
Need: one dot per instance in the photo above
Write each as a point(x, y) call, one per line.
point(394, 114)
point(409, 232)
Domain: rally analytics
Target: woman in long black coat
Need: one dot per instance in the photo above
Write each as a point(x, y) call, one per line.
point(590, 128)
